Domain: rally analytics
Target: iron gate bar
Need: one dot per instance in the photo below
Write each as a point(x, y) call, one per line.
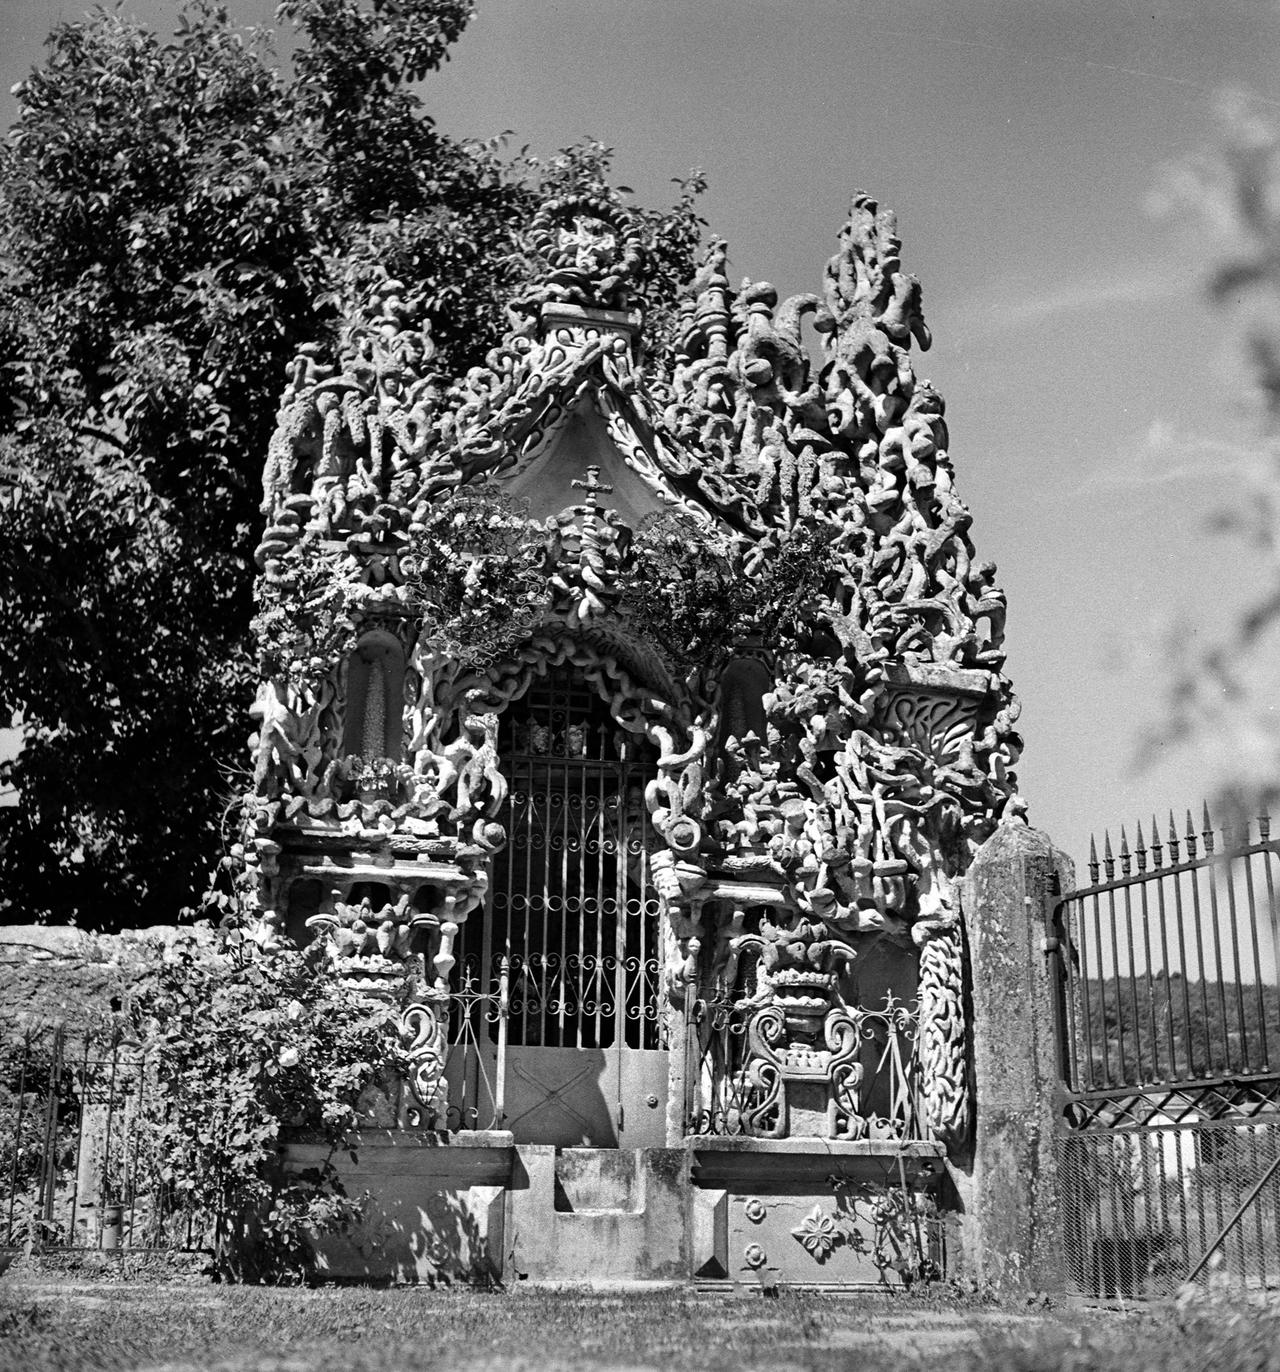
point(1182, 949)
point(1164, 950)
point(84, 1086)
point(1211, 876)
point(1264, 833)
point(17, 1134)
point(1146, 944)
point(571, 903)
point(1234, 1220)
point(1257, 959)
point(48, 1161)
point(1175, 1100)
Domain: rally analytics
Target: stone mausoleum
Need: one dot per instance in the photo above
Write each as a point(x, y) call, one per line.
point(648, 707)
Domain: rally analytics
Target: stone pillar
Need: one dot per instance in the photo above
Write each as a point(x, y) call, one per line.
point(1010, 1225)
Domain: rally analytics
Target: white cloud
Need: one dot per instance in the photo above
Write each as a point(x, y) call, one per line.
point(1146, 284)
point(1167, 454)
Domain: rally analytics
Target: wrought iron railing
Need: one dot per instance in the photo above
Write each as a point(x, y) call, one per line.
point(1171, 961)
point(77, 1168)
point(1168, 966)
point(480, 1016)
point(737, 1077)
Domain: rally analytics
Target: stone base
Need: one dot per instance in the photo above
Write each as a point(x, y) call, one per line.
point(435, 1207)
point(812, 1212)
point(478, 1208)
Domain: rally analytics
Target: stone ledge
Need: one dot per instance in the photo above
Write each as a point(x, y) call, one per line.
point(840, 1148)
point(948, 680)
point(408, 1138)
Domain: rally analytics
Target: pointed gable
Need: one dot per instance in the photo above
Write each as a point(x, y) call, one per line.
point(545, 482)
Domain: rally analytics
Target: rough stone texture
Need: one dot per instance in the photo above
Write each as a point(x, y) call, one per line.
point(52, 975)
point(1010, 1222)
point(828, 758)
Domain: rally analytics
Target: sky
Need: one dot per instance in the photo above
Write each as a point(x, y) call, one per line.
point(1097, 423)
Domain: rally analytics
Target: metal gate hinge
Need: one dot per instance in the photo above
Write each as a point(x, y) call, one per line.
point(1050, 945)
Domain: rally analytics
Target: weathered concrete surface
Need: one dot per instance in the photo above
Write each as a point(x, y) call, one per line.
point(599, 1215)
point(798, 1211)
point(477, 1208)
point(435, 1211)
point(1010, 1222)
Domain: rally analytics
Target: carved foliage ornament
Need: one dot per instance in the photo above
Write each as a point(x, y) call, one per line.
point(830, 540)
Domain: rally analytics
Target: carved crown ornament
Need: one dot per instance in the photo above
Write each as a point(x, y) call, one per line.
point(752, 547)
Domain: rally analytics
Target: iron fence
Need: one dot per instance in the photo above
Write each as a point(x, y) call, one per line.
point(1145, 1210)
point(1169, 1035)
point(1172, 960)
point(77, 1166)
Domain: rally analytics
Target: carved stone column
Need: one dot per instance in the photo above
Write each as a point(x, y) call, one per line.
point(1008, 1184)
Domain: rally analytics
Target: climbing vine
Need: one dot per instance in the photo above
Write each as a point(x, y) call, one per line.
point(695, 594)
point(476, 569)
point(305, 619)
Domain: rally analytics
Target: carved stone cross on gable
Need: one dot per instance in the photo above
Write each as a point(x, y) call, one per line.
point(594, 487)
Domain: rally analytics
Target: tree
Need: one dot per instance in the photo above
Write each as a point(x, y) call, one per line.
point(1223, 699)
point(176, 220)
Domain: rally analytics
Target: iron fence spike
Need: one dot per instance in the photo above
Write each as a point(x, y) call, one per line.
point(1208, 828)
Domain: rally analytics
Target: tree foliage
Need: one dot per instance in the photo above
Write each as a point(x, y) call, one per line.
point(1222, 701)
point(176, 219)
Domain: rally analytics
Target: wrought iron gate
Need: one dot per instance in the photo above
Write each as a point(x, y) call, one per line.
point(1169, 1031)
point(557, 1028)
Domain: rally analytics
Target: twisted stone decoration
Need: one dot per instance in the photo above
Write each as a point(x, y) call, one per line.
point(827, 767)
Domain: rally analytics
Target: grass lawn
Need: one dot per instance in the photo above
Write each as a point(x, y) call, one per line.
point(76, 1325)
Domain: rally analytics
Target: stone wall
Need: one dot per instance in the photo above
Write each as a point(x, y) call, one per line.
point(53, 974)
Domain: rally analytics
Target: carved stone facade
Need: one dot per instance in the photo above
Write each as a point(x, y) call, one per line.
point(822, 760)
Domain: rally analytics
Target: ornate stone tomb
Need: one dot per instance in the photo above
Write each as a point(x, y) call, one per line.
point(646, 709)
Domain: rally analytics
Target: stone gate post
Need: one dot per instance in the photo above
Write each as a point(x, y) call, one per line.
point(1010, 1227)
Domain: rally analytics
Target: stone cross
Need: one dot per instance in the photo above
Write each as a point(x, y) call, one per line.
point(593, 486)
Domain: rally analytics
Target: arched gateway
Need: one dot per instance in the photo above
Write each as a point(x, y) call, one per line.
point(646, 710)
point(567, 945)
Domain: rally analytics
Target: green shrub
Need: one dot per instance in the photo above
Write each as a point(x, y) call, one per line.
point(244, 1047)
